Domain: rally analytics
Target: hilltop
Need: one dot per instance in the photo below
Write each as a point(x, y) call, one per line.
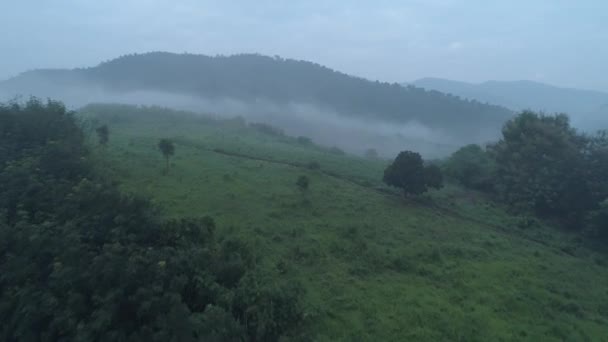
point(252, 80)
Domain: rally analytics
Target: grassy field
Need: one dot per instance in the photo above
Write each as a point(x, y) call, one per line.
point(449, 266)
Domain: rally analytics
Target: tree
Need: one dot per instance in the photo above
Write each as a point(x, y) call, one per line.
point(167, 148)
point(408, 173)
point(103, 135)
point(303, 183)
point(541, 167)
point(99, 265)
point(433, 177)
point(472, 167)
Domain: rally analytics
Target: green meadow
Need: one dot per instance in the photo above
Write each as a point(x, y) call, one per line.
point(447, 266)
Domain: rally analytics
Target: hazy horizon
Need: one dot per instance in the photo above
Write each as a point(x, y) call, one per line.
point(553, 42)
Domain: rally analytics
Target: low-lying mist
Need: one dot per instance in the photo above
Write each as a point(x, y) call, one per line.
point(322, 125)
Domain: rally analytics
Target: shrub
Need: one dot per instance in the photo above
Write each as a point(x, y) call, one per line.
point(472, 167)
point(303, 183)
point(408, 173)
point(79, 261)
point(103, 135)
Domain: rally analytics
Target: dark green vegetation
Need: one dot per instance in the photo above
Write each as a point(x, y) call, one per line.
point(79, 261)
point(103, 134)
point(472, 167)
point(303, 183)
point(167, 148)
point(409, 174)
point(541, 166)
point(449, 265)
point(251, 78)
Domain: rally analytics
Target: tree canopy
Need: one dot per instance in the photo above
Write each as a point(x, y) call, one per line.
point(167, 148)
point(250, 77)
point(408, 173)
point(103, 134)
point(542, 166)
point(79, 261)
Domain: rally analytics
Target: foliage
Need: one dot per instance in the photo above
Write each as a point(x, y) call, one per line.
point(541, 166)
point(252, 78)
point(103, 134)
point(409, 173)
point(303, 183)
point(167, 148)
point(370, 264)
point(598, 221)
point(433, 177)
point(472, 167)
point(81, 261)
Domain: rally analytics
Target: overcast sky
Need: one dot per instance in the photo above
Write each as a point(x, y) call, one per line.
point(562, 42)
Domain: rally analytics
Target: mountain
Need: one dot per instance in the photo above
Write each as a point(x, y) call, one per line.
point(587, 108)
point(251, 79)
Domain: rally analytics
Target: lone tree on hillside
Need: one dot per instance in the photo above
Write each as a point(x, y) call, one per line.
point(408, 173)
point(103, 134)
point(303, 183)
point(167, 148)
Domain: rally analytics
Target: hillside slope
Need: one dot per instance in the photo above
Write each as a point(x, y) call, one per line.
point(587, 108)
point(255, 78)
point(446, 267)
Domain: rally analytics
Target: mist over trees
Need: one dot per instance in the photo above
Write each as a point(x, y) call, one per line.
point(252, 78)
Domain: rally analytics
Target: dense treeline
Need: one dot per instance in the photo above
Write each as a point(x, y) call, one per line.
point(79, 261)
point(542, 166)
point(256, 77)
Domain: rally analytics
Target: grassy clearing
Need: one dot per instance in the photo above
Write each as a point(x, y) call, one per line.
point(450, 266)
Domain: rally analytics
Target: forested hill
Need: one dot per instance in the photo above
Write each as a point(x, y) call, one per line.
point(256, 77)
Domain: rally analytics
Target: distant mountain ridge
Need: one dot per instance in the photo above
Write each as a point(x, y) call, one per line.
point(587, 108)
point(252, 77)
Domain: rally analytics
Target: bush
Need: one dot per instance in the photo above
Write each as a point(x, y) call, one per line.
point(472, 167)
point(598, 221)
point(541, 167)
point(303, 183)
point(79, 261)
point(408, 173)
